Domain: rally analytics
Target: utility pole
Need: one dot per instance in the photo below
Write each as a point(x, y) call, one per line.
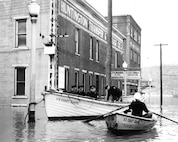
point(161, 82)
point(109, 48)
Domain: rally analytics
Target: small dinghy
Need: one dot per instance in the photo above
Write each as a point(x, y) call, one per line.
point(121, 123)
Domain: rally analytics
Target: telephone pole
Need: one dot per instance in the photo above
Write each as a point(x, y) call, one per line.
point(109, 47)
point(161, 82)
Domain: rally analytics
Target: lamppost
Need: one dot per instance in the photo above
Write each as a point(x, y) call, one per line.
point(34, 10)
point(124, 65)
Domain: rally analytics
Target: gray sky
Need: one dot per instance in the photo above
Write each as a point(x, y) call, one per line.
point(158, 20)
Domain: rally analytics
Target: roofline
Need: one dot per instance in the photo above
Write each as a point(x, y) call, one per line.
point(102, 17)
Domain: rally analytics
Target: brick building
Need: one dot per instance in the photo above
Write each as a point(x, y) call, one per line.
point(71, 48)
point(132, 51)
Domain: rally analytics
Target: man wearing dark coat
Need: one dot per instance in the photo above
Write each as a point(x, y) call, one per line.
point(114, 93)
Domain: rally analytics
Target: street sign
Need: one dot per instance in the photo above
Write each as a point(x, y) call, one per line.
point(117, 74)
point(133, 75)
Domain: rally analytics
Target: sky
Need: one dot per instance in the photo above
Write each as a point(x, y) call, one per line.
point(158, 20)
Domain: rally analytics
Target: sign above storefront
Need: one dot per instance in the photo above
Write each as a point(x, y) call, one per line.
point(133, 75)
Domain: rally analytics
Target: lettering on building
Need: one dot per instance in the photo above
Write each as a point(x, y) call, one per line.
point(80, 18)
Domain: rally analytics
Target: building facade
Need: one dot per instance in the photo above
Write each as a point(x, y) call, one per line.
point(71, 48)
point(132, 51)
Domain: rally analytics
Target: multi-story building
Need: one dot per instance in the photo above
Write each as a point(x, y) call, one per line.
point(132, 51)
point(71, 48)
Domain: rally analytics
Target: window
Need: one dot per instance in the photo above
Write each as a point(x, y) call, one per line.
point(131, 54)
point(91, 48)
point(77, 51)
point(131, 31)
point(135, 57)
point(135, 35)
point(97, 50)
point(138, 59)
point(84, 81)
point(90, 79)
point(116, 59)
point(21, 34)
point(66, 79)
point(20, 81)
point(139, 39)
point(77, 78)
point(97, 83)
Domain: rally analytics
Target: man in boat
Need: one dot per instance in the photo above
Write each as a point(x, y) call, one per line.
point(114, 93)
point(138, 106)
point(81, 90)
point(74, 89)
point(92, 92)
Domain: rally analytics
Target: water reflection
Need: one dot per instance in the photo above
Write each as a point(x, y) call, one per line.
point(18, 125)
point(12, 128)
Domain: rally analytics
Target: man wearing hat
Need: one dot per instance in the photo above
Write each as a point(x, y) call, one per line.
point(138, 106)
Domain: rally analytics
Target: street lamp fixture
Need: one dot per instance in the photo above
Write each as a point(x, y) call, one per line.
point(124, 65)
point(34, 10)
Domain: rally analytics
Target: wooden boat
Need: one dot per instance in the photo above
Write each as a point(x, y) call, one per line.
point(67, 106)
point(121, 123)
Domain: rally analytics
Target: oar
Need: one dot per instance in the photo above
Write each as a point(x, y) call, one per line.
point(165, 117)
point(88, 120)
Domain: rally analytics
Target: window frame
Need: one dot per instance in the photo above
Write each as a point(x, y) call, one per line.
point(90, 78)
point(16, 81)
point(97, 50)
point(66, 85)
point(76, 78)
point(77, 39)
point(17, 34)
point(91, 48)
point(116, 59)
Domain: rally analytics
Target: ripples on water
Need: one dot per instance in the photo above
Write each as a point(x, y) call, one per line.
point(13, 129)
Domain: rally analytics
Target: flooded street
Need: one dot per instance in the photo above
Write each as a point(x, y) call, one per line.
point(13, 128)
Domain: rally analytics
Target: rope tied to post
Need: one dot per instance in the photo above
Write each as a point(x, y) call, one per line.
point(32, 103)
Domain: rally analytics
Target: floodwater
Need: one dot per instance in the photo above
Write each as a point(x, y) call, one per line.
point(13, 127)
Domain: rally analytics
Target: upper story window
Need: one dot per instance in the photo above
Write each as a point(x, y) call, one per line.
point(116, 59)
point(139, 39)
point(97, 50)
point(131, 31)
point(135, 35)
point(131, 54)
point(77, 49)
point(21, 34)
point(91, 48)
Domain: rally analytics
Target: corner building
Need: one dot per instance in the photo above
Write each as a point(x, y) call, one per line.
point(70, 48)
point(132, 51)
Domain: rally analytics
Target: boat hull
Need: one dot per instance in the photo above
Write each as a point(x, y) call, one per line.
point(120, 123)
point(65, 106)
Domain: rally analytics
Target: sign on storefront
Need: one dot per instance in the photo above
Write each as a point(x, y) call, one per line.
point(134, 75)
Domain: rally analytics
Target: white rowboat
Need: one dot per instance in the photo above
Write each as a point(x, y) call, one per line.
point(121, 123)
point(67, 106)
